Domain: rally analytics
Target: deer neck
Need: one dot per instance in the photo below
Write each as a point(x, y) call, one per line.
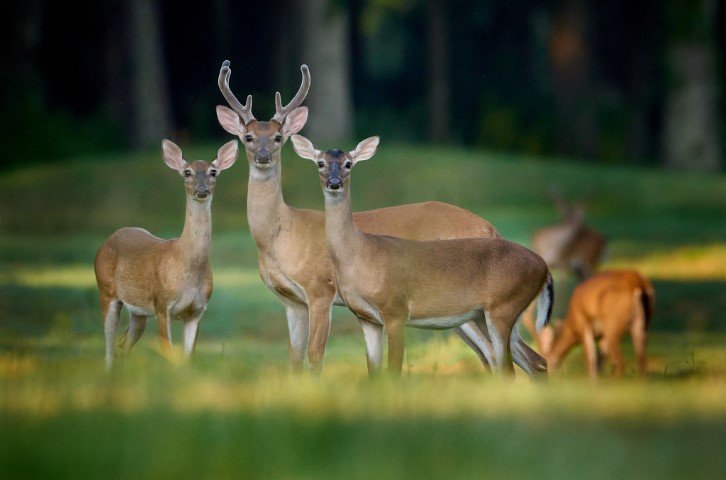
point(265, 204)
point(196, 238)
point(340, 229)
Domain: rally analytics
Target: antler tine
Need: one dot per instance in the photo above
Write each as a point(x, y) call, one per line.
point(282, 112)
point(244, 111)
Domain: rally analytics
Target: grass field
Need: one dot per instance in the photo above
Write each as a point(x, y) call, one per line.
point(234, 412)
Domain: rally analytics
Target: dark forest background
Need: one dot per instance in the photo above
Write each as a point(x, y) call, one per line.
point(610, 81)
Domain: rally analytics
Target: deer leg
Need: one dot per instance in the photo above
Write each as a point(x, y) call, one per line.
point(298, 326)
point(588, 344)
point(527, 359)
point(500, 331)
point(164, 328)
point(373, 336)
point(191, 328)
point(639, 336)
point(477, 341)
point(396, 334)
point(319, 331)
point(111, 310)
point(137, 325)
point(615, 355)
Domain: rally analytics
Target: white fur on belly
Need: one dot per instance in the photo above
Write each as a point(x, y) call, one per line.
point(442, 323)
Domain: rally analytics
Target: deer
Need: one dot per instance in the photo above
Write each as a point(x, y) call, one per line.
point(293, 260)
point(602, 309)
point(171, 279)
point(390, 283)
point(570, 245)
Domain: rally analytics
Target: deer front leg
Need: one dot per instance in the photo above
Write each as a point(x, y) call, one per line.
point(111, 310)
point(395, 332)
point(191, 328)
point(298, 326)
point(319, 331)
point(164, 327)
point(137, 325)
point(373, 337)
point(588, 344)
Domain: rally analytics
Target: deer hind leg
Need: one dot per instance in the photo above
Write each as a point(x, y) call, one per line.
point(590, 347)
point(477, 340)
point(319, 331)
point(373, 337)
point(137, 325)
point(614, 354)
point(639, 336)
point(527, 359)
point(111, 310)
point(298, 326)
point(499, 325)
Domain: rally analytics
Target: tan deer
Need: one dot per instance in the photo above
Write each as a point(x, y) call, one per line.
point(293, 259)
point(171, 279)
point(390, 283)
point(602, 309)
point(570, 245)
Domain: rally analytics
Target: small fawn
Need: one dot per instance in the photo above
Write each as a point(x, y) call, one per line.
point(150, 276)
point(602, 309)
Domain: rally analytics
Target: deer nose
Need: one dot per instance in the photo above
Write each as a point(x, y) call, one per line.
point(201, 193)
point(334, 183)
point(263, 157)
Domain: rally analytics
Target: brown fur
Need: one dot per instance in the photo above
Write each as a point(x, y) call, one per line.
point(602, 309)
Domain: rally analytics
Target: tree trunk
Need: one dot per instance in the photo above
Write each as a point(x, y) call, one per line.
point(690, 136)
point(325, 50)
point(150, 98)
point(438, 71)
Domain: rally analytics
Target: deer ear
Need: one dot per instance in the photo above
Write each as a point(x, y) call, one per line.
point(226, 156)
point(304, 147)
point(295, 121)
point(172, 155)
point(230, 121)
point(365, 149)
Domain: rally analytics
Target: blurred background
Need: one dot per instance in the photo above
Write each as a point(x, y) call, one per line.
point(600, 81)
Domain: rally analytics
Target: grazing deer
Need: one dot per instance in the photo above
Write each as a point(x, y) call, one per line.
point(390, 283)
point(570, 245)
point(293, 260)
point(602, 309)
point(171, 279)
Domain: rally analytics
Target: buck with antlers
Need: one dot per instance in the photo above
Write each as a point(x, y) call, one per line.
point(171, 279)
point(293, 260)
point(570, 245)
point(602, 309)
point(390, 283)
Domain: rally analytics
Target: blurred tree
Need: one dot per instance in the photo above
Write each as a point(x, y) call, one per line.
point(326, 50)
point(438, 81)
point(151, 118)
point(690, 135)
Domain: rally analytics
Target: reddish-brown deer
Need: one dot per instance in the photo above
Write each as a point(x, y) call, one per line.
point(171, 279)
point(602, 309)
point(293, 260)
point(390, 283)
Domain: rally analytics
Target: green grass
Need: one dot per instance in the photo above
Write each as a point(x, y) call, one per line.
point(234, 412)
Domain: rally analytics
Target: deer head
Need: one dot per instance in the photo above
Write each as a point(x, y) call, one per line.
point(200, 176)
point(262, 140)
point(334, 166)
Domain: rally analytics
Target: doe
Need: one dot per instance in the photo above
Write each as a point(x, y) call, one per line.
point(150, 276)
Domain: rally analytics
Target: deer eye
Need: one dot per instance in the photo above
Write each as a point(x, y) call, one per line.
point(213, 173)
point(321, 164)
point(278, 138)
point(187, 173)
point(348, 164)
point(248, 138)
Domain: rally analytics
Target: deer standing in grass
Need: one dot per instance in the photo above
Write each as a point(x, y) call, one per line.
point(293, 259)
point(171, 279)
point(390, 283)
point(602, 309)
point(570, 245)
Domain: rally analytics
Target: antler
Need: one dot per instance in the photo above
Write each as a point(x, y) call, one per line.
point(244, 111)
point(282, 112)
